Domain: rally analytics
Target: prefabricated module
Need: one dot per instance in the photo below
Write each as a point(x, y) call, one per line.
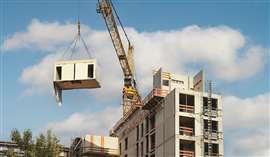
point(75, 74)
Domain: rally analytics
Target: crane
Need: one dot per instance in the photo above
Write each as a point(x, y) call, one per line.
point(131, 98)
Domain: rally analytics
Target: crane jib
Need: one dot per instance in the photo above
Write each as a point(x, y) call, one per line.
point(106, 10)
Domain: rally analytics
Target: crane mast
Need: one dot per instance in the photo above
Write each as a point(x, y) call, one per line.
point(131, 97)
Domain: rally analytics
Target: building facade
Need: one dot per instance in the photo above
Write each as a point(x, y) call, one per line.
point(94, 146)
point(175, 120)
point(12, 146)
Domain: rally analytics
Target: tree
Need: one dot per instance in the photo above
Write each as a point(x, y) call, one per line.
point(53, 146)
point(10, 153)
point(44, 146)
point(25, 142)
point(41, 146)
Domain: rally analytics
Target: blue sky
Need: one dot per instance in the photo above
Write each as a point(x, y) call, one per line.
point(38, 110)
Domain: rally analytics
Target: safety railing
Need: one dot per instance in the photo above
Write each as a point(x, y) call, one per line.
point(155, 92)
point(186, 131)
point(187, 153)
point(186, 108)
point(99, 150)
point(214, 111)
point(215, 135)
point(213, 154)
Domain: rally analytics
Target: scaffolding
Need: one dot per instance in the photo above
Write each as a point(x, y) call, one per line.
point(209, 115)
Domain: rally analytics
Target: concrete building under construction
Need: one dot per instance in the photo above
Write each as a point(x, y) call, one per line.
point(94, 146)
point(179, 118)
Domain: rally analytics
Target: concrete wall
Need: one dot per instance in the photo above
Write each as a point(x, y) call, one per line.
point(165, 127)
point(167, 120)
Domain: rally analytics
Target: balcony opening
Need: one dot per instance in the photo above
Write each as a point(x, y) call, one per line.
point(126, 143)
point(137, 149)
point(187, 148)
point(152, 142)
point(165, 82)
point(186, 103)
point(215, 152)
point(147, 124)
point(142, 148)
point(187, 126)
point(142, 129)
point(214, 106)
point(147, 144)
point(214, 133)
point(120, 148)
point(152, 123)
point(137, 132)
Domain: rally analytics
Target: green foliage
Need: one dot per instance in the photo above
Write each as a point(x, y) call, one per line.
point(41, 146)
point(44, 146)
point(10, 153)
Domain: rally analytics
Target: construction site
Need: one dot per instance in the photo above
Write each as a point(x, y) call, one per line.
point(125, 78)
point(180, 116)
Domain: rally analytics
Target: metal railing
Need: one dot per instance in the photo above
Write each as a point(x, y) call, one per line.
point(187, 153)
point(206, 154)
point(186, 108)
point(186, 131)
point(155, 92)
point(215, 134)
point(214, 111)
point(99, 150)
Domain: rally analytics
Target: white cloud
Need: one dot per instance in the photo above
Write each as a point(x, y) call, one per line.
point(39, 77)
point(245, 145)
point(221, 49)
point(247, 125)
point(82, 123)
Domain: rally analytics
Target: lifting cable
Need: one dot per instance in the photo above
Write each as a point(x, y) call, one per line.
point(120, 23)
point(78, 38)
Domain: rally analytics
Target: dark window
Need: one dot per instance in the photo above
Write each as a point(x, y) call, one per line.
point(190, 100)
point(138, 132)
point(147, 124)
point(214, 103)
point(165, 82)
point(126, 155)
point(142, 130)
point(147, 144)
point(215, 151)
point(153, 155)
point(90, 70)
point(153, 141)
point(126, 143)
point(152, 122)
point(214, 125)
point(59, 73)
point(141, 148)
point(120, 148)
point(182, 99)
point(186, 99)
point(137, 149)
